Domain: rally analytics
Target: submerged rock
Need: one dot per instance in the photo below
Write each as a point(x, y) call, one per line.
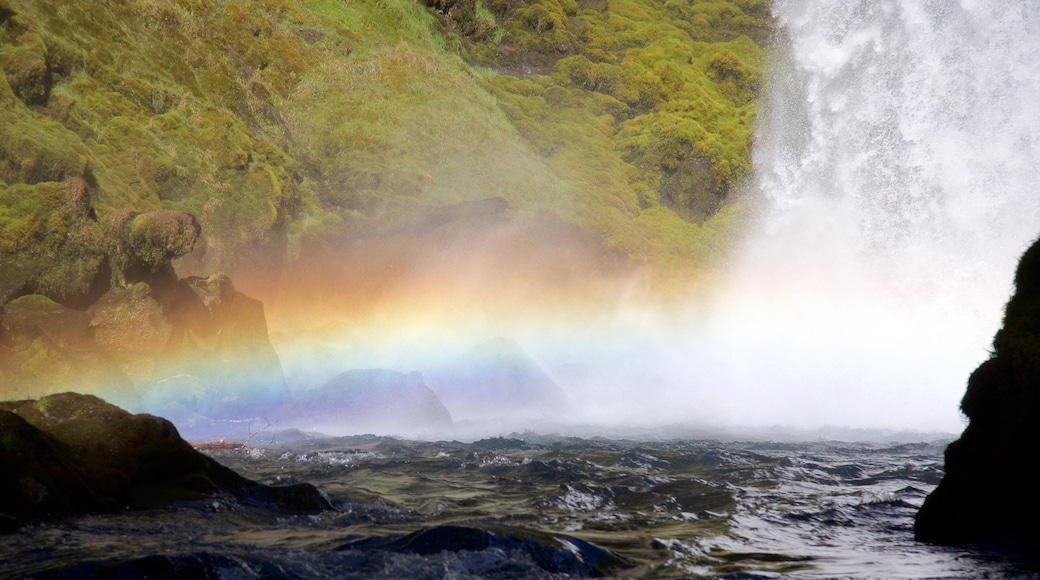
point(69, 454)
point(988, 491)
point(371, 401)
point(197, 565)
point(551, 553)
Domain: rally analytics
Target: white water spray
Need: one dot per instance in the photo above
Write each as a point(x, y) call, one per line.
point(898, 157)
point(899, 151)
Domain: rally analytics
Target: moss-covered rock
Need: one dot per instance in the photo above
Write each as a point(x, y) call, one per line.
point(23, 59)
point(986, 492)
point(47, 346)
point(50, 242)
point(130, 327)
point(68, 454)
point(286, 127)
point(140, 244)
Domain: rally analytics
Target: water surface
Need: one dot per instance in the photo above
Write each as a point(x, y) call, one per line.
point(552, 506)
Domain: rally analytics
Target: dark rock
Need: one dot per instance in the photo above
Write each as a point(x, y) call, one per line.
point(41, 475)
point(988, 490)
point(555, 554)
point(200, 565)
point(68, 454)
point(371, 401)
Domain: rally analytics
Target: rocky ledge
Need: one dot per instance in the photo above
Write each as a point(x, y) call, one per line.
point(989, 490)
point(69, 454)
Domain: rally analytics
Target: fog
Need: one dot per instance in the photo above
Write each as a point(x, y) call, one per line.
point(896, 158)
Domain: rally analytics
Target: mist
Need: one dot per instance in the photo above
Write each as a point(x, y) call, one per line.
point(895, 161)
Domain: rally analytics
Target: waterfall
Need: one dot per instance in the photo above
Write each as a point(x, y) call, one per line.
point(898, 158)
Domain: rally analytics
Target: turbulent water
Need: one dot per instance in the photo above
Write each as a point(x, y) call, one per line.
point(534, 507)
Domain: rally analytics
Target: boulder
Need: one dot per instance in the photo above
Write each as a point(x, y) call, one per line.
point(130, 326)
point(548, 554)
point(143, 243)
point(68, 454)
point(987, 491)
point(371, 401)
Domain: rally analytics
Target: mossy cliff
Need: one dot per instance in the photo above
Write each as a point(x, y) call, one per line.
point(291, 126)
point(988, 492)
point(139, 333)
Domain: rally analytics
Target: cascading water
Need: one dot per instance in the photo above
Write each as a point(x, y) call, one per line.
point(899, 153)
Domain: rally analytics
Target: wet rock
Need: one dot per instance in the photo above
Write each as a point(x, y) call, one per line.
point(554, 554)
point(371, 401)
point(987, 492)
point(200, 565)
point(69, 453)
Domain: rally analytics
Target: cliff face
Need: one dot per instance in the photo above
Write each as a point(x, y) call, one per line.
point(142, 335)
point(288, 128)
point(987, 492)
point(145, 146)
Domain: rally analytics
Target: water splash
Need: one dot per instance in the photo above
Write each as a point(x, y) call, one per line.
point(899, 152)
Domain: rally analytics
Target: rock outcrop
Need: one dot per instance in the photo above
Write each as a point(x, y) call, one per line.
point(68, 454)
point(371, 401)
point(139, 243)
point(44, 347)
point(988, 491)
point(142, 336)
point(195, 346)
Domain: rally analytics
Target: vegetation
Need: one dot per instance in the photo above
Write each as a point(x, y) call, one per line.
point(289, 125)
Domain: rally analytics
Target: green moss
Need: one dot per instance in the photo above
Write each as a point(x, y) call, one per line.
point(34, 305)
point(46, 243)
point(301, 121)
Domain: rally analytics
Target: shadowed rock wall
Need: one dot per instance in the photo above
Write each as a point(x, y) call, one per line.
point(989, 490)
point(69, 454)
